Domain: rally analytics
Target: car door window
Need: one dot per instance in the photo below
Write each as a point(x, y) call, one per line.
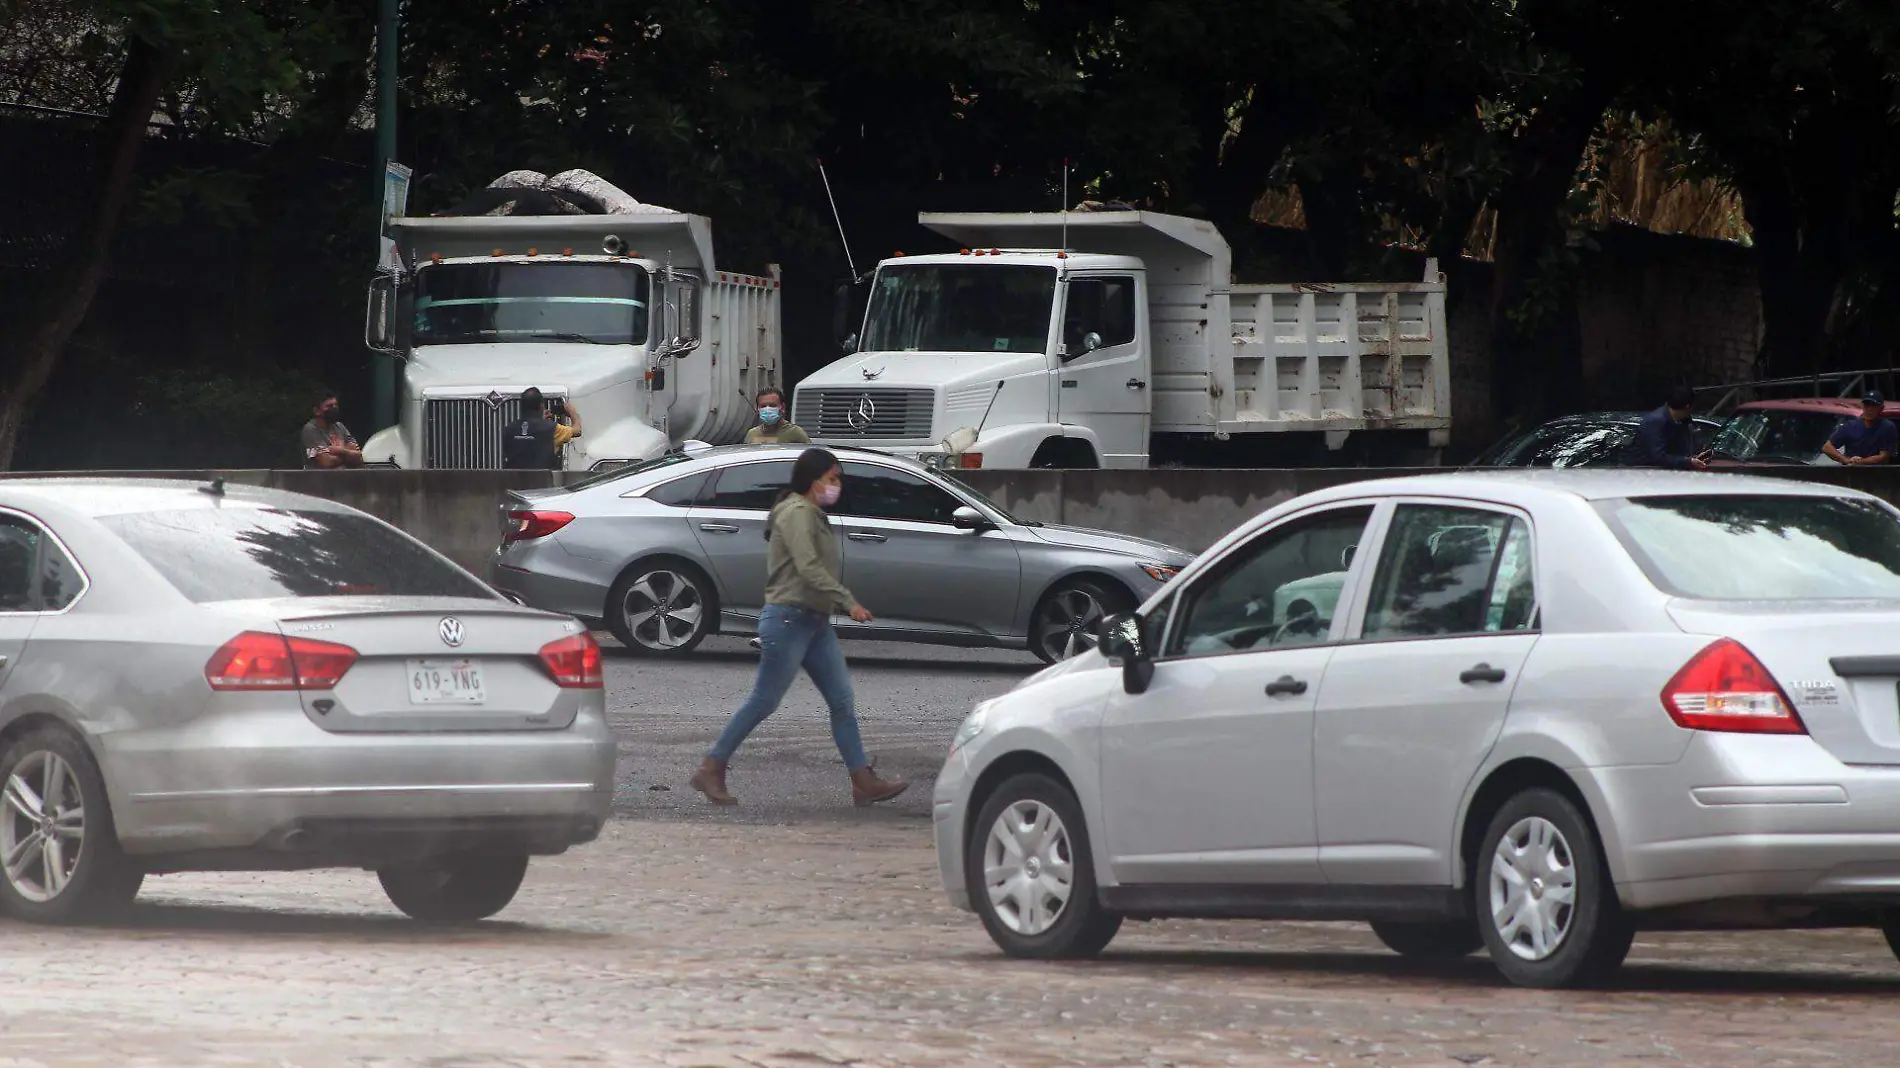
point(36, 575)
point(1102, 306)
point(679, 493)
point(750, 486)
point(1282, 589)
point(874, 492)
point(1449, 571)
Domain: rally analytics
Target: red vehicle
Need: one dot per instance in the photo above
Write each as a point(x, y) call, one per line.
point(1780, 432)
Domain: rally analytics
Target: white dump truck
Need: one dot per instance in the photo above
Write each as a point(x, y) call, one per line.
point(625, 315)
point(1117, 339)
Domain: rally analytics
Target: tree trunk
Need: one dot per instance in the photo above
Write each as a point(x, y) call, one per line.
point(1526, 378)
point(78, 279)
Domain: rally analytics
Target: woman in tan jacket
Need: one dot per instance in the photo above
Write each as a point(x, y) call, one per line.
point(802, 591)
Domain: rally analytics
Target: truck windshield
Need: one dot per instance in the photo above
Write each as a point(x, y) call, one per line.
point(960, 308)
point(464, 303)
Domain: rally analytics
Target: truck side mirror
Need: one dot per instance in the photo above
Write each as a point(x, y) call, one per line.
point(676, 347)
point(841, 331)
point(379, 321)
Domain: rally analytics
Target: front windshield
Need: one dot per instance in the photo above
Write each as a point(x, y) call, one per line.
point(1787, 436)
point(968, 491)
point(956, 307)
point(463, 303)
point(1562, 445)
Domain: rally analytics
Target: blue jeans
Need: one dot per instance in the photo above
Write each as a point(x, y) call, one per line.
point(792, 638)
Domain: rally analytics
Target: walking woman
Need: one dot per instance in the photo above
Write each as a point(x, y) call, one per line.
point(801, 593)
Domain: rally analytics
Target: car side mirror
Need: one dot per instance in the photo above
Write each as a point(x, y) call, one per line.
point(1091, 341)
point(1345, 557)
point(1122, 641)
point(968, 518)
point(379, 320)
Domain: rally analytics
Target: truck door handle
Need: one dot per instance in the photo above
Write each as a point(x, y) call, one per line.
point(1482, 673)
point(865, 535)
point(719, 528)
point(1136, 383)
point(1286, 686)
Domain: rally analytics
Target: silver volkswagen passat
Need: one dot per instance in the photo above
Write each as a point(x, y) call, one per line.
point(211, 677)
point(1533, 713)
point(673, 550)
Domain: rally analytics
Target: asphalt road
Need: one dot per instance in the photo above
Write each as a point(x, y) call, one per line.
point(910, 700)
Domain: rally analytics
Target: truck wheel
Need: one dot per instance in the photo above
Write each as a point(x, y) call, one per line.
point(62, 858)
point(662, 607)
point(1068, 621)
point(461, 889)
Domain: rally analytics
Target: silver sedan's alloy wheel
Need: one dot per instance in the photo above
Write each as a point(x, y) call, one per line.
point(43, 826)
point(1028, 867)
point(1533, 881)
point(1069, 624)
point(664, 610)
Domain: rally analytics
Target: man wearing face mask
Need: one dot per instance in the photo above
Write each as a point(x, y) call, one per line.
point(327, 443)
point(774, 428)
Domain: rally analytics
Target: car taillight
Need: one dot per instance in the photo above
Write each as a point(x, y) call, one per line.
point(573, 662)
point(1726, 689)
point(527, 525)
point(255, 660)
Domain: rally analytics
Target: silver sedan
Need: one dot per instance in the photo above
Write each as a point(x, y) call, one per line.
point(1533, 713)
point(210, 677)
point(670, 551)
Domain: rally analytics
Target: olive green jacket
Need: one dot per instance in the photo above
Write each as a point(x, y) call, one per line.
point(782, 433)
point(801, 561)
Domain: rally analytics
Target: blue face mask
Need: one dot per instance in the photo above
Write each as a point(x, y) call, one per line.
point(768, 416)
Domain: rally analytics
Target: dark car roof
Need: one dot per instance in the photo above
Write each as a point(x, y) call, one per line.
point(1823, 405)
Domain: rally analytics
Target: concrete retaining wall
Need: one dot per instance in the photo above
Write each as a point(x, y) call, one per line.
point(455, 511)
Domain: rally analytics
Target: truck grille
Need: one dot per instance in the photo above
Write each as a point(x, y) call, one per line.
point(865, 413)
point(466, 432)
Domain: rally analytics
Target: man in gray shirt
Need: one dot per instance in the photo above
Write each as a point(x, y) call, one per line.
point(327, 443)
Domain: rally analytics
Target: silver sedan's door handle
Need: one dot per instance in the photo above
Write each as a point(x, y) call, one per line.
point(719, 528)
point(865, 535)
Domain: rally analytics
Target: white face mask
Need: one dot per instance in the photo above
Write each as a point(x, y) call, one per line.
point(828, 494)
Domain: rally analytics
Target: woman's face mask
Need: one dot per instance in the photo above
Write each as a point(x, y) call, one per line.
point(768, 416)
point(828, 493)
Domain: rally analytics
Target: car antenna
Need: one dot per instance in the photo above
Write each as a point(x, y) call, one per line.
point(838, 218)
point(215, 487)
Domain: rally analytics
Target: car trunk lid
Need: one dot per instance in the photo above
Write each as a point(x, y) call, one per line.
point(433, 664)
point(1838, 661)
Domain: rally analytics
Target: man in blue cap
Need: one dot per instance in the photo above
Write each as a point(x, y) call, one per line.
point(1871, 439)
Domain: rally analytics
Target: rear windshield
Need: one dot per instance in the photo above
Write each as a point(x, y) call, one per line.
point(1762, 547)
point(234, 554)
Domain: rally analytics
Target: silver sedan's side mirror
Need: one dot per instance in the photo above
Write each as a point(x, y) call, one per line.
point(968, 518)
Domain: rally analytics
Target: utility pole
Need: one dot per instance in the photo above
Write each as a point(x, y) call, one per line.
point(383, 368)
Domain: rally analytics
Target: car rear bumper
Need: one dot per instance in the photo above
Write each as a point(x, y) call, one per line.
point(1744, 816)
point(272, 783)
point(539, 578)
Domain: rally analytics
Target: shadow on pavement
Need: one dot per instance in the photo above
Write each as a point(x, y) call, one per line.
point(393, 928)
point(1477, 972)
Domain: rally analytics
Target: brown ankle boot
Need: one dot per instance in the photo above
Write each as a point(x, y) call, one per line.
point(710, 780)
point(867, 789)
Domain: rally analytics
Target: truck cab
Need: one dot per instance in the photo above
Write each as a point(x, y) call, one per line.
point(486, 307)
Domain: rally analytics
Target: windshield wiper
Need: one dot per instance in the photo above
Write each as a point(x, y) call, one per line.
point(572, 337)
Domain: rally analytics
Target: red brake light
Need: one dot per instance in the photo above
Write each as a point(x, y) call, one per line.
point(1726, 689)
point(574, 662)
point(970, 461)
point(258, 661)
point(527, 525)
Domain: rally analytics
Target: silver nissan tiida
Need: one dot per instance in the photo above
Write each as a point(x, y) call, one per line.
point(1533, 713)
point(208, 677)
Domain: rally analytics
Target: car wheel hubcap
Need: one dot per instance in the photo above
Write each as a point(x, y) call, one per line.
point(1071, 624)
point(664, 610)
point(1533, 888)
point(43, 827)
point(1028, 868)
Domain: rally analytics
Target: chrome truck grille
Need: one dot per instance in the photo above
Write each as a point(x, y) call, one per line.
point(465, 432)
point(865, 413)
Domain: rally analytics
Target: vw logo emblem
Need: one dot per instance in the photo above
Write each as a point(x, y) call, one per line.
point(452, 632)
point(861, 416)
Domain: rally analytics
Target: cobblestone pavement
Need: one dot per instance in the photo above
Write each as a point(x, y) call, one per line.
point(689, 944)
